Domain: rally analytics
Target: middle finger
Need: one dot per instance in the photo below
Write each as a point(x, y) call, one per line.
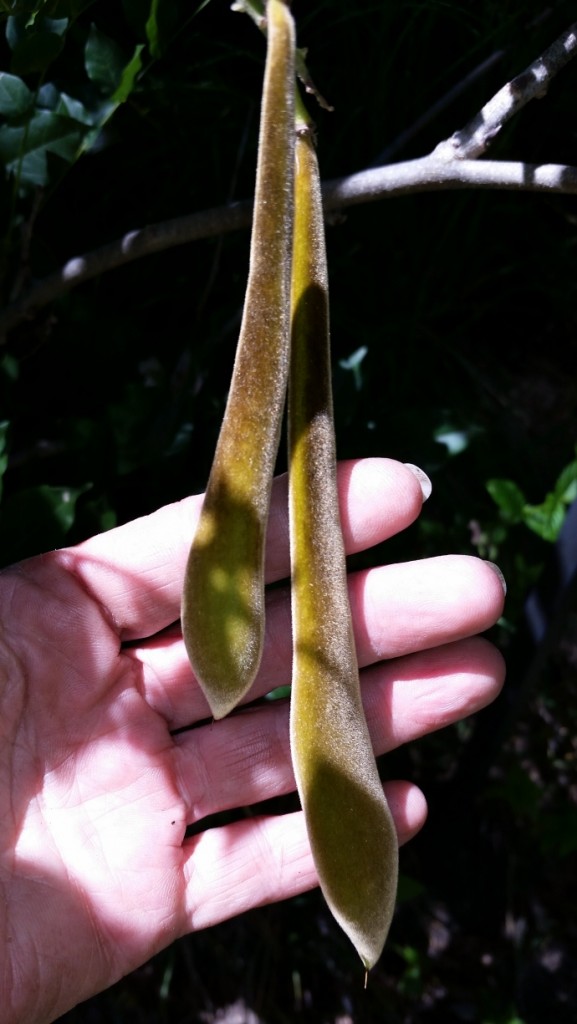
point(245, 758)
point(396, 610)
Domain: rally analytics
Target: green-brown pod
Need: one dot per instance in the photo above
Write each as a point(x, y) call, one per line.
point(349, 823)
point(223, 598)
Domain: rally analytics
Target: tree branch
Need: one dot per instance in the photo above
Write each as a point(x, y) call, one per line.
point(429, 174)
point(451, 165)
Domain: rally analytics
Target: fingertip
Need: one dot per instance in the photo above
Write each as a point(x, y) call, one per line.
point(379, 498)
point(492, 587)
point(494, 665)
point(408, 807)
point(497, 571)
point(422, 479)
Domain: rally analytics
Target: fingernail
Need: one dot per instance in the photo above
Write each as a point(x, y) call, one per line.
point(498, 574)
point(426, 485)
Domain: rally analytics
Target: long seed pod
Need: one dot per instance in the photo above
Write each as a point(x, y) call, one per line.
point(223, 599)
point(349, 823)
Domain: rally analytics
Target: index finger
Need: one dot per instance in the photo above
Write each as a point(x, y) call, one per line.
point(136, 571)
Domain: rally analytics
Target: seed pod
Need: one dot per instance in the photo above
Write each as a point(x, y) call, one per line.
point(223, 600)
point(349, 823)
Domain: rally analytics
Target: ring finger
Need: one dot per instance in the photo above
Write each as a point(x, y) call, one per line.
point(396, 610)
point(245, 758)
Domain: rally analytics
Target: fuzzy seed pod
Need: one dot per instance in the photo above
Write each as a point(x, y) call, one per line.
point(349, 823)
point(223, 600)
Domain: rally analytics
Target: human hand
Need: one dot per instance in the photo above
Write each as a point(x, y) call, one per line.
point(97, 789)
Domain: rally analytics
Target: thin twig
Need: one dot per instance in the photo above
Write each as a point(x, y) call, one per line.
point(474, 139)
point(448, 98)
point(440, 105)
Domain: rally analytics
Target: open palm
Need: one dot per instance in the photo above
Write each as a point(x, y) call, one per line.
point(100, 775)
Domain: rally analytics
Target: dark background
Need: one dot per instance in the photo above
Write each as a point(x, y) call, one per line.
point(465, 304)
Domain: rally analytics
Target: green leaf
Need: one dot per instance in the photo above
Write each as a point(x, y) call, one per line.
point(50, 98)
point(566, 486)
point(126, 83)
point(353, 363)
point(254, 8)
point(546, 519)
point(56, 26)
point(15, 30)
point(160, 26)
point(456, 439)
point(15, 96)
point(129, 76)
point(62, 501)
point(23, 150)
point(9, 367)
point(279, 693)
point(37, 519)
point(106, 66)
point(508, 497)
point(67, 106)
point(103, 60)
point(47, 96)
point(155, 21)
point(152, 30)
point(36, 43)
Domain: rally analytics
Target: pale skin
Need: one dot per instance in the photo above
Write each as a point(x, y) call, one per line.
point(96, 791)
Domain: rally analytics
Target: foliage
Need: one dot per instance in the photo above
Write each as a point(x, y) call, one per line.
point(545, 519)
point(114, 115)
